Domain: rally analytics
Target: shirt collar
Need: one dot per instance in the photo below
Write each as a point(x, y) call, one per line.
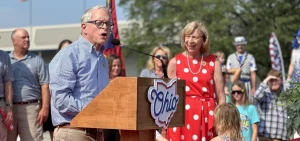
point(88, 45)
point(27, 56)
point(241, 54)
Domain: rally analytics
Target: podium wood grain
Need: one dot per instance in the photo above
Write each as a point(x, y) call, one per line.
point(123, 105)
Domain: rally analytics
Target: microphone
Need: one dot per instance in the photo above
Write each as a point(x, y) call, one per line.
point(116, 42)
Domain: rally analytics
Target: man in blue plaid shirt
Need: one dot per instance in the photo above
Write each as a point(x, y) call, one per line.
point(273, 118)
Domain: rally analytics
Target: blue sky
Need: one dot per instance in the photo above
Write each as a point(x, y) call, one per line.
point(47, 12)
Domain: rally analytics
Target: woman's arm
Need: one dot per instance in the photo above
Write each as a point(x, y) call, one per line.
point(236, 76)
point(219, 84)
point(291, 67)
point(172, 68)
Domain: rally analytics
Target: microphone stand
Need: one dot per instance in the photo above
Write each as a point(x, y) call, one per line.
point(164, 67)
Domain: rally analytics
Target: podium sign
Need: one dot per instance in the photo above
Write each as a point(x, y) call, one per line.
point(124, 105)
point(164, 101)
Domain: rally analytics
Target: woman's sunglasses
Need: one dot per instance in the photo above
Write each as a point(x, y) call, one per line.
point(161, 56)
point(237, 92)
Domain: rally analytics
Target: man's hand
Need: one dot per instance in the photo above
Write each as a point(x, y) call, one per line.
point(9, 116)
point(233, 70)
point(269, 78)
point(288, 83)
point(43, 115)
point(253, 91)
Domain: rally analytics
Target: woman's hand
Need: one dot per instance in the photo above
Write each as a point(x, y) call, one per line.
point(161, 138)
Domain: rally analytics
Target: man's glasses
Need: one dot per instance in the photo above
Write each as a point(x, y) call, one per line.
point(298, 37)
point(100, 24)
point(161, 56)
point(237, 92)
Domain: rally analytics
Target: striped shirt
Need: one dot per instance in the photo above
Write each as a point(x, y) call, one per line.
point(244, 61)
point(77, 75)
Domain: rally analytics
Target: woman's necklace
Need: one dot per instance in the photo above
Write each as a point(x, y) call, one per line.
point(189, 64)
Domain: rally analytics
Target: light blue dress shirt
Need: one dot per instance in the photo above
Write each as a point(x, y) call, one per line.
point(77, 75)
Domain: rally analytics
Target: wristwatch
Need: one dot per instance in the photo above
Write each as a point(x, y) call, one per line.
point(9, 105)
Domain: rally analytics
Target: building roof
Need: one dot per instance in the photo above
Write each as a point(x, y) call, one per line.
point(48, 37)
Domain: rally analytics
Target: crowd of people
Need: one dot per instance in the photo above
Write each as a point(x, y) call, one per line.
point(222, 100)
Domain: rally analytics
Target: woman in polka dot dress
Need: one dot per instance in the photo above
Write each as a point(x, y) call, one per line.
point(203, 76)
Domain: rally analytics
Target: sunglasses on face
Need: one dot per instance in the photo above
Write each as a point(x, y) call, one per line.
point(237, 92)
point(161, 56)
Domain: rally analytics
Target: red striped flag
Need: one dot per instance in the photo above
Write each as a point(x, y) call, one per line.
point(111, 49)
point(276, 55)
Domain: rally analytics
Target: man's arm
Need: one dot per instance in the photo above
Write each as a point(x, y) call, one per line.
point(8, 92)
point(43, 76)
point(63, 79)
point(260, 92)
point(8, 100)
point(219, 84)
point(253, 82)
point(8, 78)
point(228, 63)
point(44, 112)
point(253, 69)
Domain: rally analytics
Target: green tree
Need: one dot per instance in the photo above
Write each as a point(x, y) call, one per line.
point(161, 21)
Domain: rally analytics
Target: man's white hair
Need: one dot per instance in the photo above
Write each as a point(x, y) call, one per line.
point(88, 14)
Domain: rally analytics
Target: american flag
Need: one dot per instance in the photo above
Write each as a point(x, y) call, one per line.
point(276, 55)
point(110, 48)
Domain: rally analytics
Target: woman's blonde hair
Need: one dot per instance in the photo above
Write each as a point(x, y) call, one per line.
point(190, 28)
point(150, 62)
point(228, 122)
point(245, 98)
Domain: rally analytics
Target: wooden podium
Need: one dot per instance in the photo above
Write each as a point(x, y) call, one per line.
point(123, 105)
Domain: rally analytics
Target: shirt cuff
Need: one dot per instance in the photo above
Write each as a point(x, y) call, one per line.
point(157, 134)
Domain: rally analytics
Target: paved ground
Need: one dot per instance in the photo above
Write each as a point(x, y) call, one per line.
point(46, 137)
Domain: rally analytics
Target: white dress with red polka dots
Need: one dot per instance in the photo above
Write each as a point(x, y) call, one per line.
point(200, 99)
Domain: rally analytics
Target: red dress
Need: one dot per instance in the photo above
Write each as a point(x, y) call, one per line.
point(200, 99)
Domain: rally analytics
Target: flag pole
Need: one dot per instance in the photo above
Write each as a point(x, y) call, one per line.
point(84, 5)
point(282, 63)
point(30, 17)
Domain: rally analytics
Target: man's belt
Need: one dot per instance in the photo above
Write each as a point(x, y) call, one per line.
point(92, 132)
point(26, 102)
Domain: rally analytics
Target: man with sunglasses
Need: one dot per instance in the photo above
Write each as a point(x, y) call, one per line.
point(78, 73)
point(273, 118)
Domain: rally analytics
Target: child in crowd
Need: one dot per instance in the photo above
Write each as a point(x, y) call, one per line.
point(228, 129)
point(221, 56)
point(234, 73)
point(273, 116)
point(248, 113)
